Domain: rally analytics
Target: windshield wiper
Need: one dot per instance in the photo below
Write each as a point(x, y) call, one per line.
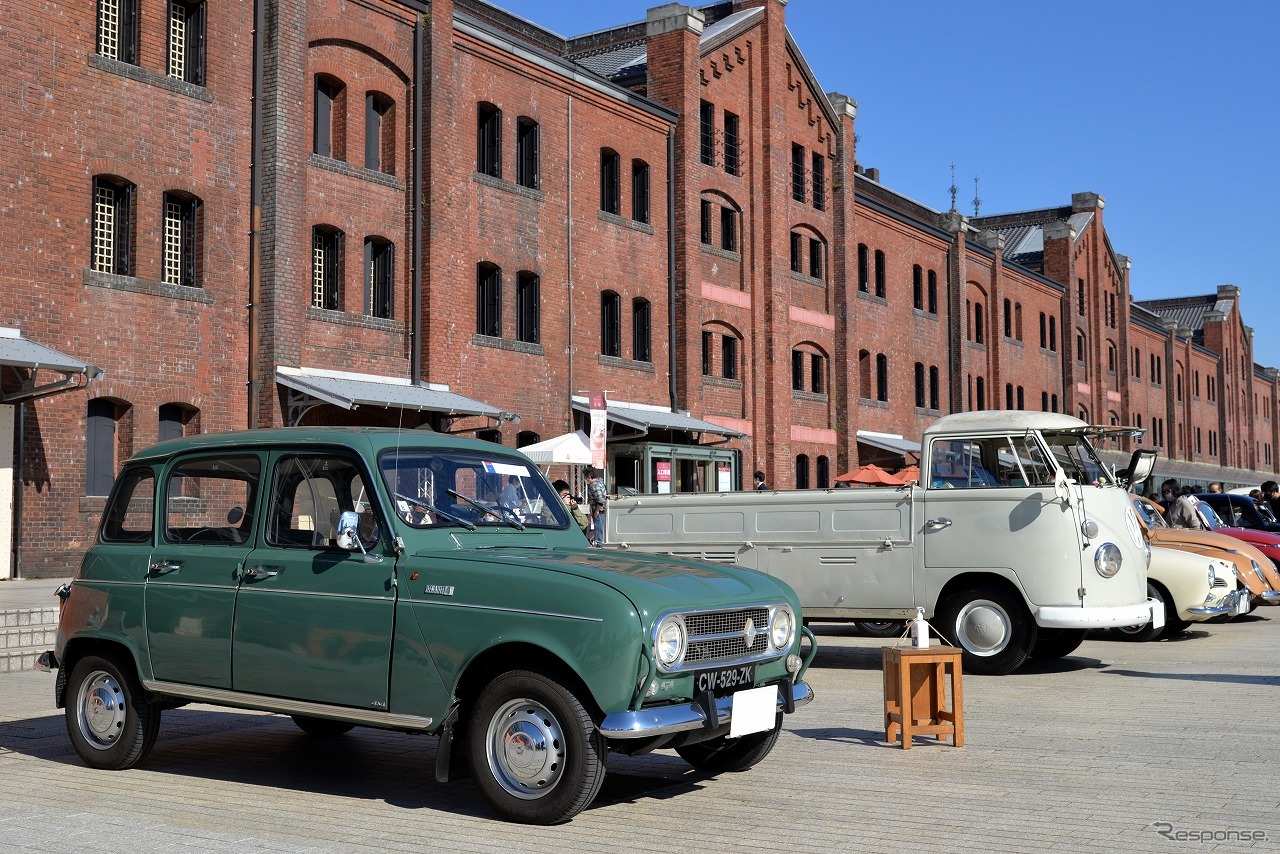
point(418, 502)
point(488, 511)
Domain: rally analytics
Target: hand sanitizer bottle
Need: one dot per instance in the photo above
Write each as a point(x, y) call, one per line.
point(920, 630)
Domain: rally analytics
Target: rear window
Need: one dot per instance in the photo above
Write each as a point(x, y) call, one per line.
point(131, 508)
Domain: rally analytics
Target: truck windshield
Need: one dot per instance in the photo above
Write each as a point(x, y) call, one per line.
point(469, 488)
point(1078, 458)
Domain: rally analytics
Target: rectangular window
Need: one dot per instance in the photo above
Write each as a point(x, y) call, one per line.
point(731, 161)
point(705, 222)
point(118, 30)
point(326, 94)
point(707, 133)
point(528, 307)
point(489, 300)
point(817, 383)
point(797, 370)
point(729, 368)
point(797, 262)
point(112, 226)
point(326, 249)
point(609, 181)
point(819, 181)
point(610, 324)
point(528, 139)
point(797, 172)
point(641, 331)
point(379, 265)
point(728, 230)
point(178, 266)
point(815, 258)
point(489, 141)
point(378, 154)
point(639, 191)
point(186, 41)
point(707, 342)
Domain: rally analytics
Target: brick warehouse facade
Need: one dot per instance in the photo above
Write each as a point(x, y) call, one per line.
point(233, 208)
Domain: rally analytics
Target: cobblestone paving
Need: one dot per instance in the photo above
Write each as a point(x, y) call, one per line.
point(1100, 751)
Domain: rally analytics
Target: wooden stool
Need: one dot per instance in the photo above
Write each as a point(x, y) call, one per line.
point(914, 688)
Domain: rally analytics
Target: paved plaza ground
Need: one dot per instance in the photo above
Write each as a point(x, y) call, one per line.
point(1167, 746)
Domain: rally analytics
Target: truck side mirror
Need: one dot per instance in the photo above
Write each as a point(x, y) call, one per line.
point(1062, 488)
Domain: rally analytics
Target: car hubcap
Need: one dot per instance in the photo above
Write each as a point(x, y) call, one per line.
point(101, 708)
point(983, 627)
point(525, 747)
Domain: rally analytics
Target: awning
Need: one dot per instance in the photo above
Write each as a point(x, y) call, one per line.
point(569, 449)
point(19, 352)
point(351, 391)
point(642, 418)
point(888, 442)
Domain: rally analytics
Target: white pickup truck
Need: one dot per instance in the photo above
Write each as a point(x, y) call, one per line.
point(1017, 540)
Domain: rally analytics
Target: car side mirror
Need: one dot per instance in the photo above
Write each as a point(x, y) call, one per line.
point(1062, 488)
point(348, 537)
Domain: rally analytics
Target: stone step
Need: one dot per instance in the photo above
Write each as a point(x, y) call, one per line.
point(24, 634)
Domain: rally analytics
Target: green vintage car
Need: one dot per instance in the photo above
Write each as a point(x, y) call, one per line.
point(417, 582)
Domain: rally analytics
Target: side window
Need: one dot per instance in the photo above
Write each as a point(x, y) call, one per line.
point(129, 513)
point(1032, 466)
point(308, 494)
point(997, 461)
point(210, 500)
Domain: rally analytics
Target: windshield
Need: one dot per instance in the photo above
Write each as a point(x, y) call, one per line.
point(1210, 516)
point(433, 488)
point(1149, 513)
point(1078, 458)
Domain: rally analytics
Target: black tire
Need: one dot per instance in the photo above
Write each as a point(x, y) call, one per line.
point(322, 727)
point(725, 755)
point(880, 628)
point(110, 723)
point(1056, 643)
point(1174, 627)
point(535, 752)
point(992, 627)
point(1147, 632)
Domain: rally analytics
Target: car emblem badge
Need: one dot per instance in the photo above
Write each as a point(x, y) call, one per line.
point(749, 632)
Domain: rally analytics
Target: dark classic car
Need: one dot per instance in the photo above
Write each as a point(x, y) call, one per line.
point(415, 582)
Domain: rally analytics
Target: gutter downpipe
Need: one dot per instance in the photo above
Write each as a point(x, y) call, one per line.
point(255, 208)
point(415, 324)
point(568, 243)
point(671, 268)
point(17, 492)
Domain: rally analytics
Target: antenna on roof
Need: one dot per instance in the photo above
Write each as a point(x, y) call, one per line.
point(977, 202)
point(954, 189)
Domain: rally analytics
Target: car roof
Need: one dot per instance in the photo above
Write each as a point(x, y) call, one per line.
point(366, 438)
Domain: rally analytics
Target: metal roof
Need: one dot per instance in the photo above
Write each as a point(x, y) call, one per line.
point(1188, 311)
point(353, 391)
point(889, 442)
point(631, 57)
point(24, 353)
point(642, 417)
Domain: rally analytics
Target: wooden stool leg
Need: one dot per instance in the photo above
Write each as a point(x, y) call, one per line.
point(957, 705)
point(906, 700)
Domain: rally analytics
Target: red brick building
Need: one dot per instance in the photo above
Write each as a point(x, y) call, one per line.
point(401, 212)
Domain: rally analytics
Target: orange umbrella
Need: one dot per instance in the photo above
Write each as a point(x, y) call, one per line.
point(908, 474)
point(870, 474)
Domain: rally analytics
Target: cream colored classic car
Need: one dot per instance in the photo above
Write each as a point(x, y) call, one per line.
point(1194, 588)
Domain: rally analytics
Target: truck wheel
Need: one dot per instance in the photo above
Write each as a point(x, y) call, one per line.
point(724, 754)
point(1056, 643)
point(110, 723)
point(535, 752)
point(1146, 632)
point(321, 727)
point(992, 626)
point(880, 628)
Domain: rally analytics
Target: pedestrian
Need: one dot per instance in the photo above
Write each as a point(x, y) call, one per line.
point(1168, 493)
point(759, 479)
point(1182, 512)
point(1271, 495)
point(596, 502)
point(574, 506)
point(1215, 488)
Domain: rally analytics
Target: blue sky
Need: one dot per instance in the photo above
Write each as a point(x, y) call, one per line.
point(1163, 108)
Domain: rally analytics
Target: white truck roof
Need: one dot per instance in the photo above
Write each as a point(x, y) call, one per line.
point(1003, 421)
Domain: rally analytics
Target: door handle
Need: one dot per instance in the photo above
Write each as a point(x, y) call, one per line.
point(160, 566)
point(937, 524)
point(255, 572)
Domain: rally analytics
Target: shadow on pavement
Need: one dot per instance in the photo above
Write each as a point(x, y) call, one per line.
point(1235, 678)
point(845, 735)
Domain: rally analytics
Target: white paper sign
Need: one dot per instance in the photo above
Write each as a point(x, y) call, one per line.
point(754, 710)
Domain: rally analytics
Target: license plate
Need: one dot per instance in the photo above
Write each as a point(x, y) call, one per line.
point(724, 680)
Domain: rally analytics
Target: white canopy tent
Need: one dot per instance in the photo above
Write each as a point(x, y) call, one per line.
point(569, 449)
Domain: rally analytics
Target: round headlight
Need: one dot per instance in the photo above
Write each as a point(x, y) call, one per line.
point(669, 644)
point(1107, 559)
point(782, 628)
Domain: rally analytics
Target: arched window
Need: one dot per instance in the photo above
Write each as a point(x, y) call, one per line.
point(822, 467)
point(100, 446)
point(610, 324)
point(1053, 335)
point(933, 387)
point(489, 140)
point(1044, 332)
point(982, 393)
point(326, 267)
point(489, 300)
point(802, 471)
point(639, 191)
point(882, 377)
point(1008, 395)
point(327, 139)
point(864, 374)
point(881, 272)
point(864, 277)
point(933, 292)
point(919, 377)
point(917, 287)
point(610, 192)
point(379, 276)
point(180, 255)
point(528, 307)
point(171, 421)
point(641, 330)
point(112, 225)
point(1008, 318)
point(1017, 321)
point(379, 133)
point(527, 437)
point(528, 143)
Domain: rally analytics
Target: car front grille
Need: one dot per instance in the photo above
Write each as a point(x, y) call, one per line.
point(720, 637)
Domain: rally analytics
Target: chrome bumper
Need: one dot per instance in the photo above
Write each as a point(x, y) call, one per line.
point(663, 720)
point(1234, 603)
point(1271, 596)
